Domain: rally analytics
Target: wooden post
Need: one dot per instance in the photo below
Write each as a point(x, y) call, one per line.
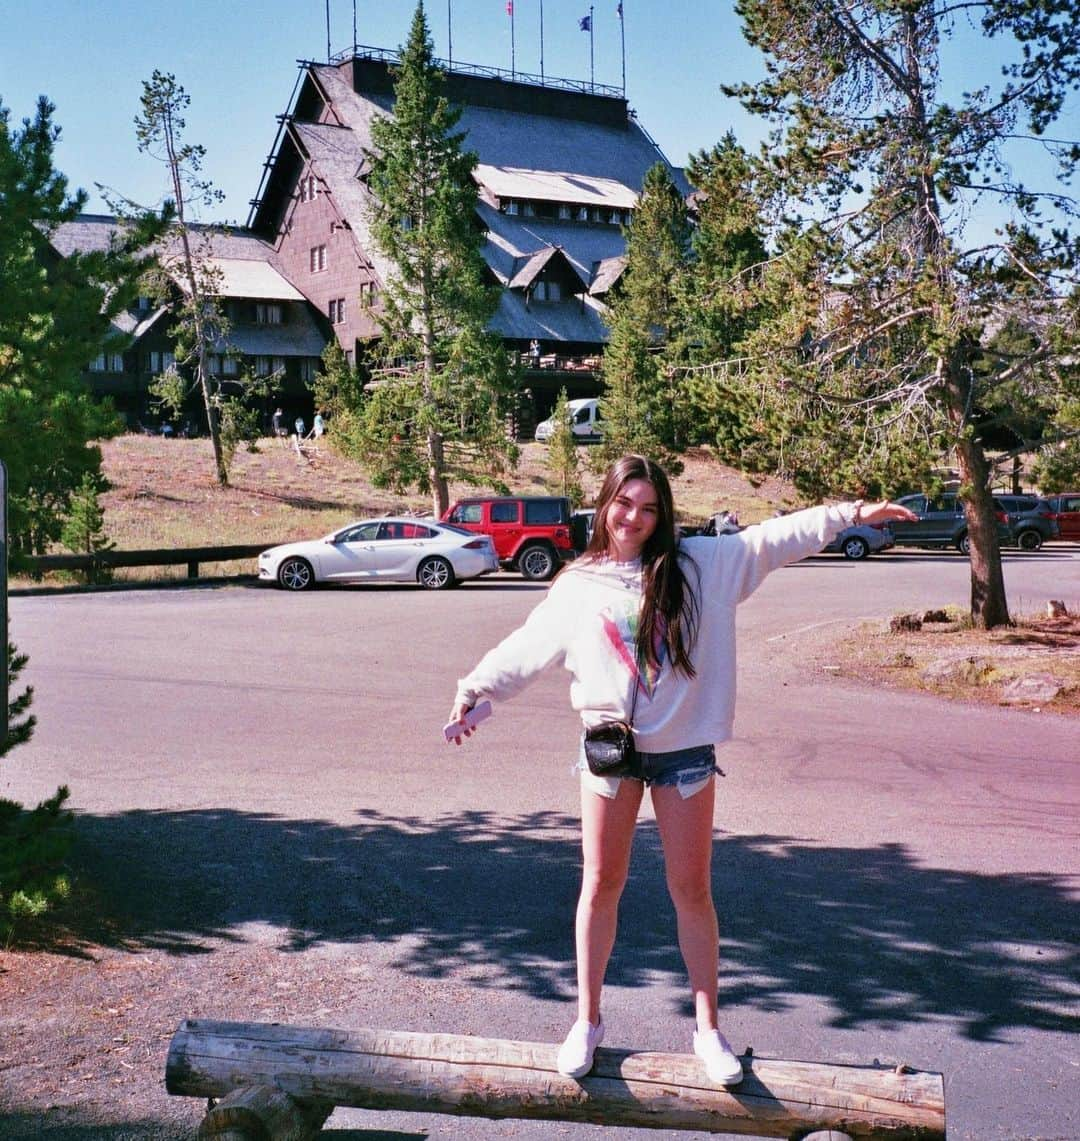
point(483, 1077)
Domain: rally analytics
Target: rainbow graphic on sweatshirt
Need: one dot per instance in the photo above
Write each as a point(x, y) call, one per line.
point(621, 632)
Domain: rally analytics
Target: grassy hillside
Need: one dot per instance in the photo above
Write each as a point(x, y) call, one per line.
point(163, 494)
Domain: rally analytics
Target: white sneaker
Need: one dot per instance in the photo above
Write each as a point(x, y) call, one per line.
point(576, 1053)
point(721, 1064)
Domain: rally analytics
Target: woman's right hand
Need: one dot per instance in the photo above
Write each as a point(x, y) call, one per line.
point(458, 714)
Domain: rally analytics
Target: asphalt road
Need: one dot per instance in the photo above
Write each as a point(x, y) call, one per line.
point(895, 875)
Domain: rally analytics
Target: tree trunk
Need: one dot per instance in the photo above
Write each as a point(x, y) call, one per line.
point(989, 606)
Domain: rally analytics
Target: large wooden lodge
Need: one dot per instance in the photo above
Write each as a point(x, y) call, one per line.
point(560, 166)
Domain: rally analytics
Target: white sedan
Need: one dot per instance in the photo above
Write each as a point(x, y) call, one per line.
point(436, 555)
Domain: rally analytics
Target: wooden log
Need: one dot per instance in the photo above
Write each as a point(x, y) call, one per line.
point(262, 1113)
point(483, 1077)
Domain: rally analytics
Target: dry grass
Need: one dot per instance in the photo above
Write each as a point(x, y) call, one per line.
point(953, 660)
point(164, 495)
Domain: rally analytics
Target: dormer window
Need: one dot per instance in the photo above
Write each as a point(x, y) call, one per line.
point(583, 213)
point(511, 207)
point(547, 291)
point(530, 210)
point(565, 213)
point(268, 314)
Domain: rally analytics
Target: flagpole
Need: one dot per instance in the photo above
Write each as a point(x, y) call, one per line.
point(354, 27)
point(513, 62)
point(327, 31)
point(541, 41)
point(592, 71)
point(450, 33)
point(622, 36)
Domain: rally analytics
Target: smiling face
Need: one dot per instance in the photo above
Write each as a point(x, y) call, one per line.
point(631, 519)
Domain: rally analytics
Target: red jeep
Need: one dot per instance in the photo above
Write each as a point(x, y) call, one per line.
point(531, 533)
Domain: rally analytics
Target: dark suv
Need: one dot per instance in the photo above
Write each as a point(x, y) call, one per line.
point(1031, 520)
point(531, 533)
point(942, 523)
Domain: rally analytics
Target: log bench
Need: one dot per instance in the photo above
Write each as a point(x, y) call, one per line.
point(282, 1082)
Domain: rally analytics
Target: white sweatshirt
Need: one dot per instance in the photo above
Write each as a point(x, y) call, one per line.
point(588, 622)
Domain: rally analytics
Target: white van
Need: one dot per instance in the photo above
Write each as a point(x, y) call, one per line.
point(584, 420)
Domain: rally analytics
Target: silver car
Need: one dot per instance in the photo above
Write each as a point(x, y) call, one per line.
point(861, 540)
point(435, 555)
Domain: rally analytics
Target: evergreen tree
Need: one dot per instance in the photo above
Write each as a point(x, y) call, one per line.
point(562, 458)
point(871, 372)
point(199, 324)
point(643, 410)
point(439, 410)
point(84, 528)
point(34, 843)
point(55, 318)
point(719, 298)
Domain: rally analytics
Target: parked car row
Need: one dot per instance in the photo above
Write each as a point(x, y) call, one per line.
point(1023, 521)
point(535, 535)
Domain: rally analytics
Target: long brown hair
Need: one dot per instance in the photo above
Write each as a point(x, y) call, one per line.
point(669, 603)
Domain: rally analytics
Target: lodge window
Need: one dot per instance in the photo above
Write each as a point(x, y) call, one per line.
point(511, 207)
point(337, 310)
point(547, 291)
point(160, 362)
point(367, 294)
point(564, 212)
point(268, 314)
point(317, 258)
point(307, 369)
point(309, 188)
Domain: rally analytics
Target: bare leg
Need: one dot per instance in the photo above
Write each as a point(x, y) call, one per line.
point(686, 830)
point(607, 832)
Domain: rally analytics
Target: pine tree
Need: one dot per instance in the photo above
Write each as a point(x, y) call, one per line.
point(643, 410)
point(84, 528)
point(55, 318)
point(562, 458)
point(872, 371)
point(439, 409)
point(199, 321)
point(34, 843)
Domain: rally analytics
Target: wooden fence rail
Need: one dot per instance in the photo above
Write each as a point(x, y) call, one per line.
point(253, 1064)
point(172, 556)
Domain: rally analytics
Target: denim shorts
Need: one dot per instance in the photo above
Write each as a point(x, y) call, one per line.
point(689, 770)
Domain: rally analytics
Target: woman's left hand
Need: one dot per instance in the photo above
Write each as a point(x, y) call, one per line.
point(884, 512)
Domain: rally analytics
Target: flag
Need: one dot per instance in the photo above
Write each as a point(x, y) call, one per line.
point(618, 9)
point(585, 23)
point(510, 7)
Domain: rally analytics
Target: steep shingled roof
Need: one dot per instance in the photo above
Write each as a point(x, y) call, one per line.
point(521, 153)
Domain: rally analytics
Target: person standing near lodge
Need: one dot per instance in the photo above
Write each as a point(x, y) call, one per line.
point(645, 624)
point(277, 425)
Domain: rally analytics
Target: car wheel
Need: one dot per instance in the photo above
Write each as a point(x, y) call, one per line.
point(855, 548)
point(963, 544)
point(537, 563)
point(1029, 540)
point(435, 574)
point(296, 574)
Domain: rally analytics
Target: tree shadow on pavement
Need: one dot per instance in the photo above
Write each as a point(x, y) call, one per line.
point(874, 934)
point(75, 1125)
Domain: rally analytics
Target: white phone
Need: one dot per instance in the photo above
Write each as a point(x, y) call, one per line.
point(471, 719)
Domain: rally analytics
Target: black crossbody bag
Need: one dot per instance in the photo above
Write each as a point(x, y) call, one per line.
point(610, 750)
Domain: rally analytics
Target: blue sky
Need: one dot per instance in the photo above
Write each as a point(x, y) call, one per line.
point(237, 61)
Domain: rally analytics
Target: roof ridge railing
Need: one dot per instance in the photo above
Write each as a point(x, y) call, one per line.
point(456, 67)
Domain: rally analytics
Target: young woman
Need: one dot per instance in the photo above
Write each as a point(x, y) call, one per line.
point(645, 623)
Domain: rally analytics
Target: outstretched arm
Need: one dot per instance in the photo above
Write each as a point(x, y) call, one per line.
point(883, 512)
